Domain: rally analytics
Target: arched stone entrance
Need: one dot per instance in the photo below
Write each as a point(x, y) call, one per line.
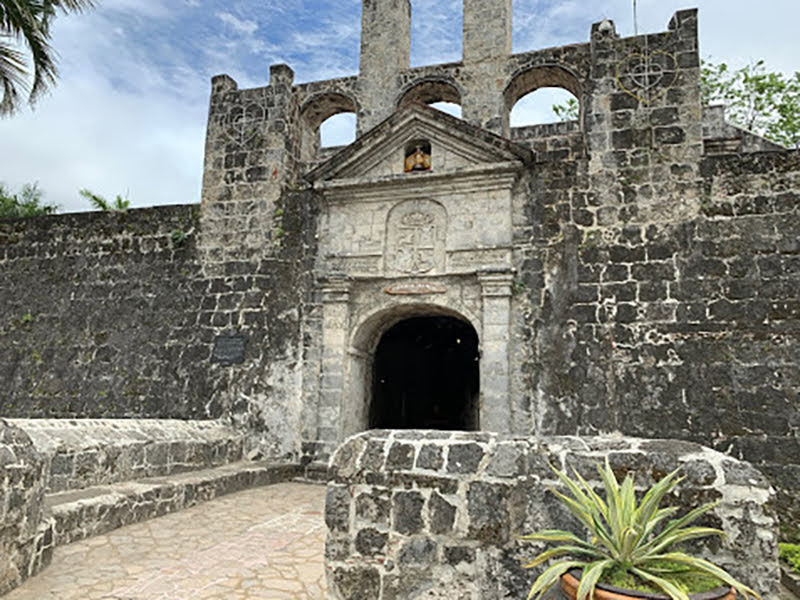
point(425, 375)
point(356, 317)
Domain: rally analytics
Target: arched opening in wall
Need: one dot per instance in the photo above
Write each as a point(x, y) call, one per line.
point(338, 130)
point(545, 105)
point(448, 107)
point(436, 32)
point(532, 93)
point(439, 94)
point(327, 119)
point(425, 375)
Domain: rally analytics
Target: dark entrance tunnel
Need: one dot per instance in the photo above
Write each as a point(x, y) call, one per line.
point(426, 376)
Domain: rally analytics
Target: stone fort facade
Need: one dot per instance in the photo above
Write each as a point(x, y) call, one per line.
point(634, 271)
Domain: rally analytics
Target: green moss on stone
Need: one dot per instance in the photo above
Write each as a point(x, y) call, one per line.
point(790, 554)
point(690, 581)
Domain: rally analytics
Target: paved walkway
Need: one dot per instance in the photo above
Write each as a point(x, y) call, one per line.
point(265, 543)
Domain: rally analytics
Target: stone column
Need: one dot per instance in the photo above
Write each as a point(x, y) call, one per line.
point(487, 47)
point(335, 297)
point(495, 372)
point(385, 52)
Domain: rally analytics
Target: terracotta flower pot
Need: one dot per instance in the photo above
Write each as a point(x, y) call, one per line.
point(570, 581)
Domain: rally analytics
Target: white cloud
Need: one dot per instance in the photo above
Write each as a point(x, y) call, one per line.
point(129, 112)
point(109, 141)
point(115, 123)
point(243, 26)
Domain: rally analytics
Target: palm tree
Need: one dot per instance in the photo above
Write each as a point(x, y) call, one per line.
point(25, 24)
point(98, 202)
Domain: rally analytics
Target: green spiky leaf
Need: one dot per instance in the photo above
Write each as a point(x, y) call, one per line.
point(625, 535)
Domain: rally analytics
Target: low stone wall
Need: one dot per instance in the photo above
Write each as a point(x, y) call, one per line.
point(83, 514)
point(88, 452)
point(429, 515)
point(25, 540)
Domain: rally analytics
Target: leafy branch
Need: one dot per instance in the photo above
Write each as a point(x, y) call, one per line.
point(27, 202)
point(768, 104)
point(568, 111)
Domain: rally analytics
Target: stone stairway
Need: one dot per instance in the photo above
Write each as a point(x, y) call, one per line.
point(69, 480)
point(79, 514)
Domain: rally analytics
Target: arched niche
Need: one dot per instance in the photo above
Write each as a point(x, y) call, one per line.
point(534, 78)
point(316, 111)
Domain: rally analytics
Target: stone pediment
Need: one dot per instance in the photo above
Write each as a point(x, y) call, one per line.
point(456, 147)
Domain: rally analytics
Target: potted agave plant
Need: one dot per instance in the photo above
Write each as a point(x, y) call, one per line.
point(630, 553)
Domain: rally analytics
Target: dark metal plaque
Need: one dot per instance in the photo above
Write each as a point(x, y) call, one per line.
point(229, 349)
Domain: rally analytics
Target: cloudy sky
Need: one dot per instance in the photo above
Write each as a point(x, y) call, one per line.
point(128, 115)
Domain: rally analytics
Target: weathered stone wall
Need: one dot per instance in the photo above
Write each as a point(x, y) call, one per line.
point(687, 328)
point(422, 514)
point(26, 540)
point(116, 316)
point(100, 316)
point(89, 452)
point(656, 277)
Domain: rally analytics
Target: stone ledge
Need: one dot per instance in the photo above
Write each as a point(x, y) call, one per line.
point(81, 453)
point(77, 515)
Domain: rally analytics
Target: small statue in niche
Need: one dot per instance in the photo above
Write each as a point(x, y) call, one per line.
point(418, 156)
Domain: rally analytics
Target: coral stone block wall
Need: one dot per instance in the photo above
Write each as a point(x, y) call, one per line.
point(90, 452)
point(436, 515)
point(99, 316)
point(25, 538)
point(684, 328)
point(115, 315)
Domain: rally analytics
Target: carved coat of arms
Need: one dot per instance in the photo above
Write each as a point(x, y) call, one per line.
point(416, 232)
point(416, 243)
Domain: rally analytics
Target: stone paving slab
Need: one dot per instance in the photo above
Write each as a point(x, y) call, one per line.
point(264, 543)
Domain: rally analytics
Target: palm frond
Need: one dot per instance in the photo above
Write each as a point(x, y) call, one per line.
point(27, 23)
point(13, 74)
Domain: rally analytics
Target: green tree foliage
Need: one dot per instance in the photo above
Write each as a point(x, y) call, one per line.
point(25, 36)
point(765, 103)
point(98, 202)
point(27, 203)
point(568, 111)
